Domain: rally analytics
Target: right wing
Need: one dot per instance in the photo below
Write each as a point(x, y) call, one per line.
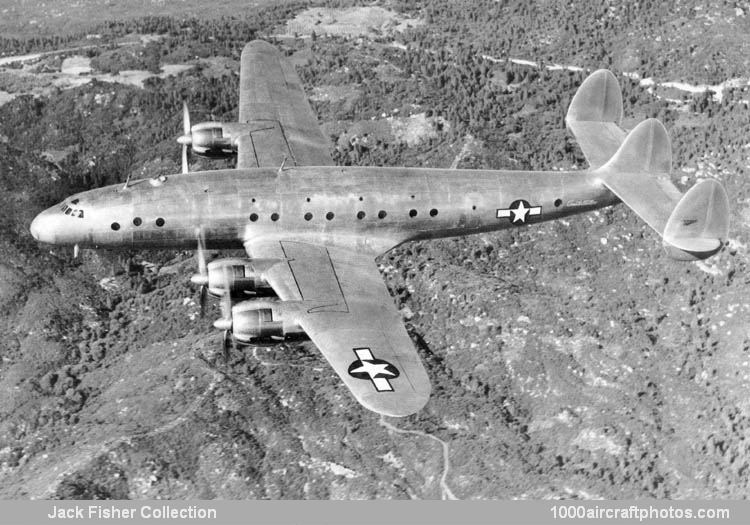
point(274, 106)
point(346, 310)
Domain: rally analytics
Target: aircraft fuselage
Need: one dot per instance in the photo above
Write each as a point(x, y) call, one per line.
point(371, 209)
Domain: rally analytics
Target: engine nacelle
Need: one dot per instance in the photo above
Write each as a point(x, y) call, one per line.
point(209, 140)
point(256, 321)
point(241, 275)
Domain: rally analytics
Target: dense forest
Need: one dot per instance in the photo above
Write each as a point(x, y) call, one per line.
point(456, 70)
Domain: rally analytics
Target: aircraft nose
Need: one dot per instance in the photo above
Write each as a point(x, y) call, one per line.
point(34, 228)
point(43, 226)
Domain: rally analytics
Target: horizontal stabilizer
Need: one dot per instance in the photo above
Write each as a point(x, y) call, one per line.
point(594, 117)
point(639, 174)
point(693, 225)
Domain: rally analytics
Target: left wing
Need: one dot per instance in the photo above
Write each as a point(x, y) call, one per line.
point(273, 105)
point(346, 310)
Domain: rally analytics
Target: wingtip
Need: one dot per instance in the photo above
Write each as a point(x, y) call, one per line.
point(259, 46)
point(401, 407)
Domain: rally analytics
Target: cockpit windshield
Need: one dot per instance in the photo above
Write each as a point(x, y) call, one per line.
point(71, 210)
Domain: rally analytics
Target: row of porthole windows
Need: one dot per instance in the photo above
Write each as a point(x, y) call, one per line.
point(137, 221)
point(382, 214)
point(308, 216)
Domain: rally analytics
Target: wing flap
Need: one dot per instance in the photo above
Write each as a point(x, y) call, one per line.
point(315, 277)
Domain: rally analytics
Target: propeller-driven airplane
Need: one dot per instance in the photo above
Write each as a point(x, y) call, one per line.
point(312, 230)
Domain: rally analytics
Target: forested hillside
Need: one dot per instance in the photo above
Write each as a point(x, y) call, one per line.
point(570, 360)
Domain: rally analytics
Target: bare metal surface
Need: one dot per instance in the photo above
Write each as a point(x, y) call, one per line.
point(274, 107)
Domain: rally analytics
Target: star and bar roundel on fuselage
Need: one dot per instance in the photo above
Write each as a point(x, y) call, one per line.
point(519, 212)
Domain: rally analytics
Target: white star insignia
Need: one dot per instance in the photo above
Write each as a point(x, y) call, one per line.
point(373, 369)
point(520, 213)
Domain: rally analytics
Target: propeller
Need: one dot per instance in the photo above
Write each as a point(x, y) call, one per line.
point(225, 323)
point(201, 278)
point(186, 138)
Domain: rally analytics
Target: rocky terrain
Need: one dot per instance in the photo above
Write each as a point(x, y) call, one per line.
point(572, 359)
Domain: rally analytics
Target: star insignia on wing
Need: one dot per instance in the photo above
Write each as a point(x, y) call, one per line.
point(377, 371)
point(374, 369)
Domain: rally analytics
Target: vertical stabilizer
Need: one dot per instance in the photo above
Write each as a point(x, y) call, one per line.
point(699, 222)
point(594, 117)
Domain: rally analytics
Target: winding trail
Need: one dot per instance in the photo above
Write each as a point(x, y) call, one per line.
point(178, 420)
point(717, 90)
point(447, 494)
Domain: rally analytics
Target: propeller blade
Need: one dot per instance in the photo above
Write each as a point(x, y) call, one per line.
point(226, 297)
point(203, 295)
point(186, 138)
point(225, 322)
point(202, 268)
point(201, 278)
point(185, 119)
point(227, 343)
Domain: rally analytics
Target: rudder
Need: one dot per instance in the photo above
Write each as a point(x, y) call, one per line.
point(699, 223)
point(646, 148)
